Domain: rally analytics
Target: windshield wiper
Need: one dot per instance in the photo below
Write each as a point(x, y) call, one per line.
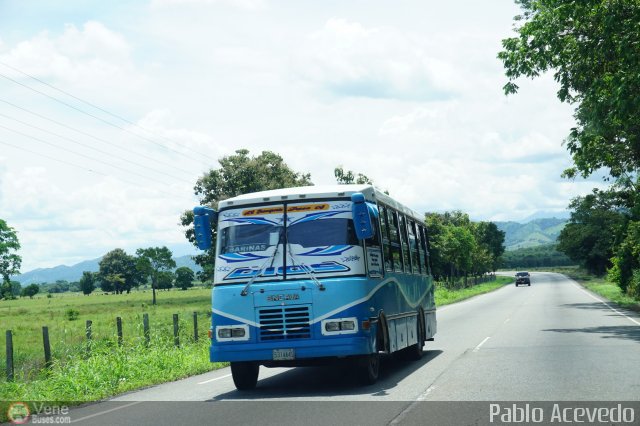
point(245, 290)
point(304, 267)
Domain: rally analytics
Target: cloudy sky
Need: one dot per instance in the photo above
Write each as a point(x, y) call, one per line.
point(133, 100)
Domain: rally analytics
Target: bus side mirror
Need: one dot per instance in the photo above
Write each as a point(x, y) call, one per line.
point(202, 219)
point(361, 217)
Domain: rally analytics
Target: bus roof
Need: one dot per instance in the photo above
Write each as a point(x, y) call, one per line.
point(301, 193)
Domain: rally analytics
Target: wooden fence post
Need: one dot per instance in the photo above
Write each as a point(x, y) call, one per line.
point(9, 356)
point(47, 346)
point(195, 326)
point(176, 338)
point(119, 327)
point(88, 329)
point(145, 326)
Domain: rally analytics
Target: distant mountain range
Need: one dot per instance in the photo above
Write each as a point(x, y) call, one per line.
point(74, 272)
point(531, 234)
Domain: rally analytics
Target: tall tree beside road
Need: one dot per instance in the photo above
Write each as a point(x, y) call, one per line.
point(153, 262)
point(87, 282)
point(238, 174)
point(118, 272)
point(10, 261)
point(595, 229)
point(459, 246)
point(592, 48)
point(184, 277)
point(491, 239)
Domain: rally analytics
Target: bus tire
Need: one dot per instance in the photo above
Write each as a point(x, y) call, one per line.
point(368, 368)
point(245, 374)
point(414, 352)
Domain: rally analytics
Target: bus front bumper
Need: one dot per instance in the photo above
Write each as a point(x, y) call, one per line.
point(303, 349)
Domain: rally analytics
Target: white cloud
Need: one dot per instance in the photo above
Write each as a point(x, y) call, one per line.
point(349, 59)
point(83, 221)
point(88, 57)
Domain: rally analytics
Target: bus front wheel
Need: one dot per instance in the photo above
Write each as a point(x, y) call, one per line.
point(369, 368)
point(245, 374)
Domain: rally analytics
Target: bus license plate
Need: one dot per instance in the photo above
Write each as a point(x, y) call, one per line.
point(284, 354)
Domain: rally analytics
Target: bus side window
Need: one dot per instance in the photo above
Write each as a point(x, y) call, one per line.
point(394, 239)
point(425, 245)
point(413, 247)
point(386, 246)
point(421, 249)
point(405, 248)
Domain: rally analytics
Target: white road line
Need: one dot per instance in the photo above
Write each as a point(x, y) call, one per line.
point(605, 304)
point(105, 412)
point(477, 348)
point(213, 380)
point(422, 397)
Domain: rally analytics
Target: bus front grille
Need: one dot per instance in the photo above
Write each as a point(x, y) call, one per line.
point(284, 323)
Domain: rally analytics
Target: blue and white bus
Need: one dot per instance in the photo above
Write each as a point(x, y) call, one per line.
point(314, 274)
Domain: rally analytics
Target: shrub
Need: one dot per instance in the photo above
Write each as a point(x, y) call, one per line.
point(72, 314)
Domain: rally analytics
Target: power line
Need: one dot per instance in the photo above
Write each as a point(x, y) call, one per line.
point(94, 148)
point(91, 104)
point(78, 166)
point(93, 137)
point(124, 129)
point(81, 155)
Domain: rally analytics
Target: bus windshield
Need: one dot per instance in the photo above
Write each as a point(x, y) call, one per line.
point(316, 233)
point(325, 232)
point(249, 238)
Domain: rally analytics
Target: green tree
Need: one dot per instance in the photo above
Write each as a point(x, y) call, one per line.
point(16, 288)
point(152, 261)
point(457, 245)
point(490, 238)
point(592, 48)
point(348, 177)
point(118, 272)
point(184, 277)
point(595, 229)
point(87, 282)
point(165, 280)
point(10, 261)
point(30, 291)
point(238, 174)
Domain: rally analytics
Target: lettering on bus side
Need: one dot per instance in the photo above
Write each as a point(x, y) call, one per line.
point(318, 268)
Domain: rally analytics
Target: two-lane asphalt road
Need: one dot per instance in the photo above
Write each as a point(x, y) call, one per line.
point(552, 341)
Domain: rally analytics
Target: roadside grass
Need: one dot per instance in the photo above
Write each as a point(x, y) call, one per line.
point(102, 369)
point(84, 371)
point(26, 317)
point(445, 296)
point(604, 288)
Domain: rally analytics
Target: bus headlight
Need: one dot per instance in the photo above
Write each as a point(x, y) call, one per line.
point(339, 326)
point(231, 333)
point(347, 325)
point(237, 332)
point(331, 326)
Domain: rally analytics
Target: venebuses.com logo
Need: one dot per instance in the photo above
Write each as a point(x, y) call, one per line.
point(18, 413)
point(40, 412)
